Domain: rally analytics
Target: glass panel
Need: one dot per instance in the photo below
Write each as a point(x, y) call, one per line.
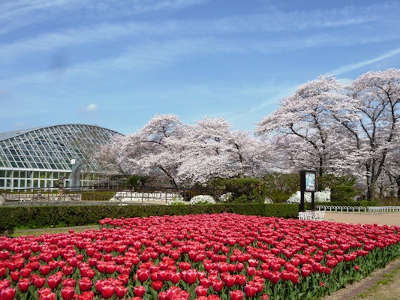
point(22, 183)
point(35, 183)
point(15, 185)
point(2, 173)
point(2, 182)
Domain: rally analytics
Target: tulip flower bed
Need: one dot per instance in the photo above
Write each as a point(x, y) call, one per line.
point(214, 256)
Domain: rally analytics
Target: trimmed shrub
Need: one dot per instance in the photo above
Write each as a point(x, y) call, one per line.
point(46, 216)
point(281, 186)
point(342, 187)
point(243, 190)
point(136, 181)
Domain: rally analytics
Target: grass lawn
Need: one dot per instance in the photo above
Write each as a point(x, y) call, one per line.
point(38, 231)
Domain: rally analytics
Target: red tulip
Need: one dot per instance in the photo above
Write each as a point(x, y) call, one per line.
point(14, 275)
point(24, 284)
point(139, 291)
point(3, 271)
point(143, 275)
point(85, 284)
point(69, 282)
point(120, 291)
point(7, 293)
point(67, 293)
point(107, 291)
point(217, 285)
point(46, 294)
point(236, 295)
point(201, 291)
point(157, 285)
point(44, 269)
point(53, 281)
point(250, 291)
point(38, 282)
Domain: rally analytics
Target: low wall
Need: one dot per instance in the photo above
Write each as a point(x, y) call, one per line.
point(22, 197)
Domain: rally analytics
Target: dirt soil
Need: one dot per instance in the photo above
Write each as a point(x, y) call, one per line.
point(364, 218)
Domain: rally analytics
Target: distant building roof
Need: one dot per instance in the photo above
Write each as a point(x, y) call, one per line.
point(11, 134)
point(53, 147)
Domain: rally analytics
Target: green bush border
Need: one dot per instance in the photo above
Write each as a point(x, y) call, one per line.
point(56, 216)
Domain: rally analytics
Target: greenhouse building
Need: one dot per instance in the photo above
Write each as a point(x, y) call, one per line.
point(43, 157)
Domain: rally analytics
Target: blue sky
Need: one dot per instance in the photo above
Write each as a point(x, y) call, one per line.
point(117, 63)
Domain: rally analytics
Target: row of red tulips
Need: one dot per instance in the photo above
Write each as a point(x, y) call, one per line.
point(219, 256)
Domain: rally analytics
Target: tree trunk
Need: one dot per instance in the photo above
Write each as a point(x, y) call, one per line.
point(321, 165)
point(371, 190)
point(398, 186)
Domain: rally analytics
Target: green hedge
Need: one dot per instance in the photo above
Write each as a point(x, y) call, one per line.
point(46, 216)
point(244, 190)
point(363, 203)
point(97, 195)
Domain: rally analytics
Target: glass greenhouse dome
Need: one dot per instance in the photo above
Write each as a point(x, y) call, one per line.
point(39, 157)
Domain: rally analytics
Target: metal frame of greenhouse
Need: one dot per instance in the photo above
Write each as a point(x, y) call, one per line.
point(39, 157)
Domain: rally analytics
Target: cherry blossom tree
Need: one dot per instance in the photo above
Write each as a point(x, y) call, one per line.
point(340, 129)
point(375, 98)
point(215, 150)
point(392, 165)
point(305, 125)
point(114, 158)
point(187, 155)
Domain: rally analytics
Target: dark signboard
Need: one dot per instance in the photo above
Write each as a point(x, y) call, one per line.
point(308, 181)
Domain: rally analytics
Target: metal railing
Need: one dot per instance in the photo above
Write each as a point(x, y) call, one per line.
point(365, 209)
point(383, 209)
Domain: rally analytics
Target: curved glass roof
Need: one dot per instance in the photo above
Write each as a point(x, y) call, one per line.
point(53, 147)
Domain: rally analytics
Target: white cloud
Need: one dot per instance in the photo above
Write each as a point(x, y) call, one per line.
point(153, 55)
point(273, 21)
point(135, 60)
point(91, 107)
point(347, 68)
point(15, 14)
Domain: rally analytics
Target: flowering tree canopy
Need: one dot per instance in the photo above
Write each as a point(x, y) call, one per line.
point(185, 154)
point(305, 124)
point(375, 97)
point(324, 125)
point(339, 129)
